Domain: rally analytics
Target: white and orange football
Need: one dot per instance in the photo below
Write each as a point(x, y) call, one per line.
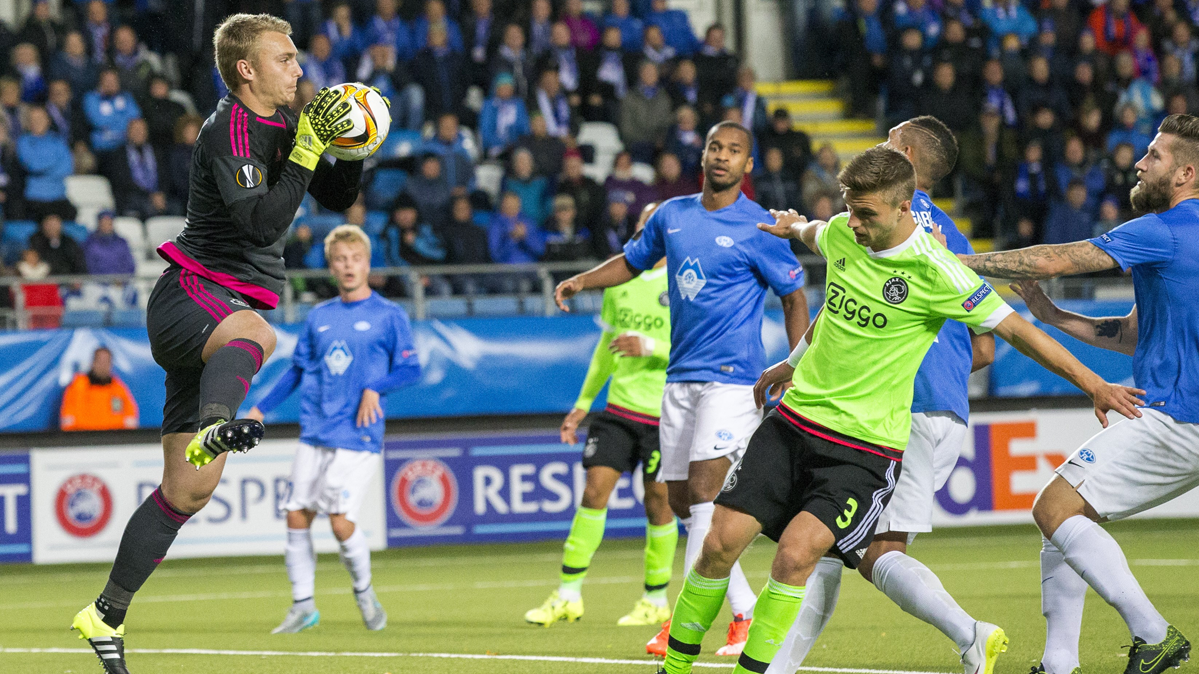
point(372, 122)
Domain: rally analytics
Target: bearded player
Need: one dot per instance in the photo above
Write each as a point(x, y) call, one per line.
point(251, 166)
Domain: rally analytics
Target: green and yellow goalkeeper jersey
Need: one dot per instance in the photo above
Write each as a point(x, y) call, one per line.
point(882, 311)
point(640, 306)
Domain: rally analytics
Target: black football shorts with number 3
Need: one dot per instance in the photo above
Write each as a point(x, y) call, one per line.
point(620, 439)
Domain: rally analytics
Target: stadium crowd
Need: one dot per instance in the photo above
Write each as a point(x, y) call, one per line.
point(1052, 103)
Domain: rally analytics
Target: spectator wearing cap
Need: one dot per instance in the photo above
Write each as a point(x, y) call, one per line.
point(669, 181)
point(386, 27)
point(1009, 17)
point(105, 251)
point(137, 173)
point(684, 140)
point(58, 250)
point(442, 75)
point(513, 238)
point(73, 65)
point(481, 32)
point(547, 150)
point(1113, 26)
point(1070, 220)
point(675, 27)
point(435, 15)
point(97, 400)
point(589, 196)
point(513, 59)
point(554, 105)
point(321, 67)
point(532, 189)
point(345, 39)
point(109, 110)
point(66, 116)
point(565, 239)
point(630, 27)
point(504, 118)
point(134, 63)
point(46, 161)
point(645, 114)
point(621, 180)
point(430, 190)
point(456, 149)
point(611, 72)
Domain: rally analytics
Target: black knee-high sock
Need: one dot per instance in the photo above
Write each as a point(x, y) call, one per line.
point(226, 380)
point(147, 537)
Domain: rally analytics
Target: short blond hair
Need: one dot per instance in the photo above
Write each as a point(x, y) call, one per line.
point(346, 234)
point(236, 39)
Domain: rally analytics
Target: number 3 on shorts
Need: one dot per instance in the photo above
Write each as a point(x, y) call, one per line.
point(847, 517)
point(654, 458)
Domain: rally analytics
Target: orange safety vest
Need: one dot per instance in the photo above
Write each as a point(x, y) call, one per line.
point(97, 407)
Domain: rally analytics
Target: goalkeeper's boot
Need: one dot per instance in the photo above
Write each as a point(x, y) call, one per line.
point(554, 609)
point(108, 643)
point(1156, 658)
point(738, 635)
point(657, 645)
point(299, 618)
point(372, 611)
point(239, 435)
point(645, 612)
point(989, 642)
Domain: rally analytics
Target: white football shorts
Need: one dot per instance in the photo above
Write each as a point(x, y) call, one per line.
point(331, 481)
point(932, 452)
point(702, 421)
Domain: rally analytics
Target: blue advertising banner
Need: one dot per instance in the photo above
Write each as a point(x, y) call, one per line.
point(502, 488)
point(16, 521)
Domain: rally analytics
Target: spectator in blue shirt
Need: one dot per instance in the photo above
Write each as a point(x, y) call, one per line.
point(503, 119)
point(321, 67)
point(675, 26)
point(345, 39)
point(918, 14)
point(386, 27)
point(435, 16)
point(630, 26)
point(1128, 130)
point(453, 146)
point(105, 251)
point(1070, 220)
point(46, 161)
point(532, 189)
point(513, 238)
point(73, 65)
point(1006, 17)
point(1076, 167)
point(109, 110)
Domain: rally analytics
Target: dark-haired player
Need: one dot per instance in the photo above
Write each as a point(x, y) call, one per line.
point(940, 410)
point(719, 267)
point(251, 166)
point(1147, 461)
point(821, 468)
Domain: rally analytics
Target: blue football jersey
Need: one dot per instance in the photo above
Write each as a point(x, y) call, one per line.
point(345, 348)
point(719, 265)
point(1163, 252)
point(941, 381)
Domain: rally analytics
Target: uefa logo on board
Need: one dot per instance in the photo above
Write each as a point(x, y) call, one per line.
point(424, 493)
point(83, 505)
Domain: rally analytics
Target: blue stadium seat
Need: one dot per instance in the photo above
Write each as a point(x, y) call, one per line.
point(375, 222)
point(87, 318)
point(383, 190)
point(127, 318)
point(75, 231)
point(322, 224)
point(447, 307)
point(499, 305)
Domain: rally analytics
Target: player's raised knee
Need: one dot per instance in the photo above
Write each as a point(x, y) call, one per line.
point(1056, 503)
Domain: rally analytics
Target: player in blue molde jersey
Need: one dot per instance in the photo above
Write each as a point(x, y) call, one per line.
point(1143, 462)
point(352, 351)
point(940, 410)
point(719, 266)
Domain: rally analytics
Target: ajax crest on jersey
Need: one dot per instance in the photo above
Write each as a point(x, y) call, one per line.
point(83, 505)
point(690, 278)
point(372, 122)
point(339, 357)
point(424, 493)
point(895, 290)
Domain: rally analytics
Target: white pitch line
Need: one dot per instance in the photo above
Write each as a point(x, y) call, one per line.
point(446, 656)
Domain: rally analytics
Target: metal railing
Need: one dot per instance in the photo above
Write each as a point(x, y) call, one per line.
point(291, 305)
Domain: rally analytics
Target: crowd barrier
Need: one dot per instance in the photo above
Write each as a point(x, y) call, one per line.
point(71, 505)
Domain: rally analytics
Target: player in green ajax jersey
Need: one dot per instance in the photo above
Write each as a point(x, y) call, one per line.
point(633, 350)
point(821, 467)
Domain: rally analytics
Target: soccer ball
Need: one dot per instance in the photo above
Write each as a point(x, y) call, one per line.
point(372, 121)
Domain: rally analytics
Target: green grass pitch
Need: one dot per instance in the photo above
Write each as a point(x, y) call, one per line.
point(470, 600)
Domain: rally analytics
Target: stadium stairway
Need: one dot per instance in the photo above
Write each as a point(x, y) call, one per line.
point(817, 109)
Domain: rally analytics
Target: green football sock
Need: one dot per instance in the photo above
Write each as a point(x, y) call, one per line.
point(698, 604)
point(775, 612)
point(660, 544)
point(586, 532)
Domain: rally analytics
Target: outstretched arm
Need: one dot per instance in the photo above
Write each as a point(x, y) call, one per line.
point(615, 271)
point(792, 225)
point(1114, 333)
point(1034, 343)
point(1041, 262)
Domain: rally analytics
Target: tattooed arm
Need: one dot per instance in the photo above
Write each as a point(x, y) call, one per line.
point(1115, 333)
point(1041, 262)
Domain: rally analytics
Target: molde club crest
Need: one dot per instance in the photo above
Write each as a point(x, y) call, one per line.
point(424, 493)
point(83, 505)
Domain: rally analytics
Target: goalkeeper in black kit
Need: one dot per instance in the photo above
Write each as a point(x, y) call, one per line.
point(251, 166)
